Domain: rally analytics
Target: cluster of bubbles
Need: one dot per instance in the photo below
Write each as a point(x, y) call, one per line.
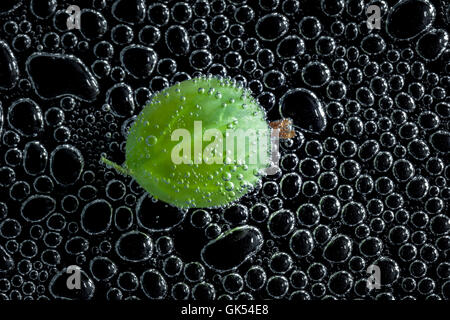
point(364, 182)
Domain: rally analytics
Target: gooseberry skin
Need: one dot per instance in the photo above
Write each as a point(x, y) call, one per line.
point(219, 104)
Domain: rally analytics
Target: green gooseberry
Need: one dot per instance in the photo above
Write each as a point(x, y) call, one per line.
point(189, 115)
